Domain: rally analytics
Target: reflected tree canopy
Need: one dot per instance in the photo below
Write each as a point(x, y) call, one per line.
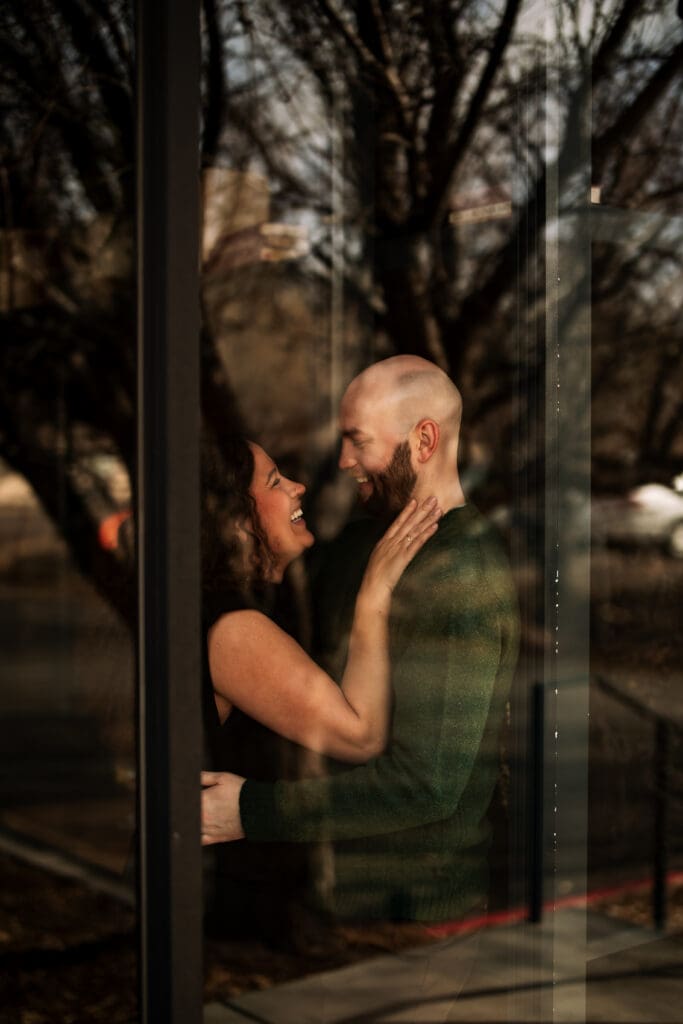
point(398, 158)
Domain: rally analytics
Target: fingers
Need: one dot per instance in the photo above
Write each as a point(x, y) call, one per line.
point(424, 516)
point(401, 518)
point(407, 534)
point(415, 541)
point(211, 778)
point(418, 520)
point(417, 529)
point(408, 521)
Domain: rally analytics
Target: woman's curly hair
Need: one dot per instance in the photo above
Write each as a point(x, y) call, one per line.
point(227, 506)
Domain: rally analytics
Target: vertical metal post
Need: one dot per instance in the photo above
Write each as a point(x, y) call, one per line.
point(568, 460)
point(168, 54)
point(661, 784)
point(536, 795)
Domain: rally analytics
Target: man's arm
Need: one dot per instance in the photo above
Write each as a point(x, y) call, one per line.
point(418, 781)
point(443, 681)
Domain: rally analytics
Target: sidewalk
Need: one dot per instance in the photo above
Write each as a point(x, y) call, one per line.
point(515, 974)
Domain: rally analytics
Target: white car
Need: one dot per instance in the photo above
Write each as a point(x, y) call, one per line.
point(649, 514)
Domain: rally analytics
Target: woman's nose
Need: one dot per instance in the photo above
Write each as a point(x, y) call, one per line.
point(297, 488)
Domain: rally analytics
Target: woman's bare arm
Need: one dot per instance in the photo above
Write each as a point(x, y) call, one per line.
point(258, 668)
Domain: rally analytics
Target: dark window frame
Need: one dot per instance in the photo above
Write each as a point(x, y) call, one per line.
point(170, 886)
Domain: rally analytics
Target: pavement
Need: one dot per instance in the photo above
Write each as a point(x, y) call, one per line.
point(518, 973)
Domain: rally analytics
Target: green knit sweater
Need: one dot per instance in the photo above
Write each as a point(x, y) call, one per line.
point(409, 827)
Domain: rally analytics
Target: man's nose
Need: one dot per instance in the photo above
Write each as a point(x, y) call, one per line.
point(346, 456)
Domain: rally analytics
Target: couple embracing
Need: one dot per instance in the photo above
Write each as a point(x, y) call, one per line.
point(418, 637)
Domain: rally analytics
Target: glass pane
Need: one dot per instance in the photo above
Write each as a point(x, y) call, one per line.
point(494, 191)
point(634, 849)
point(67, 580)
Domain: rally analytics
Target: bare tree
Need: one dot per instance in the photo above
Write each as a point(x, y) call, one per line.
point(68, 380)
point(441, 109)
point(409, 138)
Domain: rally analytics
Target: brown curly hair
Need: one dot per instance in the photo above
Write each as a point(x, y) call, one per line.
point(227, 471)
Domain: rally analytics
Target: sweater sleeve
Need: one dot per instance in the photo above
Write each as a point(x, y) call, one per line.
point(446, 651)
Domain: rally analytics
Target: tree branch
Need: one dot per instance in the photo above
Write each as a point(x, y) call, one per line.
point(454, 153)
point(633, 114)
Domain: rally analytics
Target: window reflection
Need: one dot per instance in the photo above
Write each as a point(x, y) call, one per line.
point(377, 178)
point(497, 194)
point(67, 430)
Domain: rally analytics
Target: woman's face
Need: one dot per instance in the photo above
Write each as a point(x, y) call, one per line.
point(278, 503)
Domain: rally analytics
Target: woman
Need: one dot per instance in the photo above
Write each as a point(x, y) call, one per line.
point(260, 685)
point(256, 666)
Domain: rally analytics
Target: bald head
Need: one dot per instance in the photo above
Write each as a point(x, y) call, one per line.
point(400, 424)
point(409, 389)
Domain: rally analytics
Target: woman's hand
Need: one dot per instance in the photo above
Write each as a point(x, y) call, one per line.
point(399, 545)
point(221, 822)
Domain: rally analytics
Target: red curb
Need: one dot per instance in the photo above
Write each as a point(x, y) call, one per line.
point(521, 913)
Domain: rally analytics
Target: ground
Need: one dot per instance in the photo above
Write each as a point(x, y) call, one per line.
point(68, 954)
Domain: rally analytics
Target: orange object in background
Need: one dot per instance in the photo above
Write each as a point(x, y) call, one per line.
point(108, 533)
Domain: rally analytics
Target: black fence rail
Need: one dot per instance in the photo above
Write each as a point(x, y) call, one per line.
point(662, 730)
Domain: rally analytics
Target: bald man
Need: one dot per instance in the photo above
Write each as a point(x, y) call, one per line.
point(409, 828)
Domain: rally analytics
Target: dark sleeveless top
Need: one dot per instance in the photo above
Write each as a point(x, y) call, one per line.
point(255, 885)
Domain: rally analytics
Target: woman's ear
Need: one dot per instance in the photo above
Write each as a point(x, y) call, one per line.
point(427, 433)
point(244, 530)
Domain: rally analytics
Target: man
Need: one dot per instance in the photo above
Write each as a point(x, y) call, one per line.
point(409, 828)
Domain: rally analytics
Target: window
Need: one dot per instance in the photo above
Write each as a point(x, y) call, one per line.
point(271, 197)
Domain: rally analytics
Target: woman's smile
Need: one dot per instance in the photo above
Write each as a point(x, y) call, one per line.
point(278, 504)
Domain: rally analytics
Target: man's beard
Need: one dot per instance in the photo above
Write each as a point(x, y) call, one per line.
point(392, 488)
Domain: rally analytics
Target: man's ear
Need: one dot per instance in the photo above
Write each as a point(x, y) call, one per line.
point(428, 434)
